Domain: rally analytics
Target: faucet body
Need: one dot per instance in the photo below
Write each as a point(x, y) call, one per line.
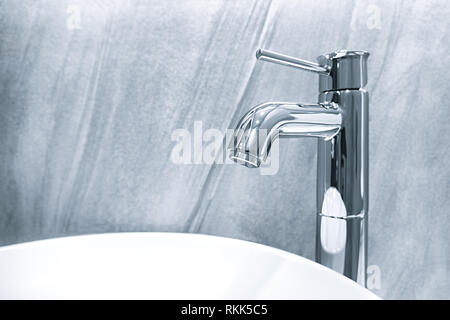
point(342, 188)
point(340, 122)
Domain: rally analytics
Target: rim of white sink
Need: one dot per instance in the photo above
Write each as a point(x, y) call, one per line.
point(97, 241)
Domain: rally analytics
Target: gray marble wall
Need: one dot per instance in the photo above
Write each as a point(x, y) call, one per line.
point(91, 91)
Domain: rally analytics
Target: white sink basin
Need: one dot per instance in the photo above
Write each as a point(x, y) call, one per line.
point(164, 266)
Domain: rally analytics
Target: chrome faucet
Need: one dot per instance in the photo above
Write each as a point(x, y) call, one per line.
point(340, 121)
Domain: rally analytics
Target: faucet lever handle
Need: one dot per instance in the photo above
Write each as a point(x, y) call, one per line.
point(289, 61)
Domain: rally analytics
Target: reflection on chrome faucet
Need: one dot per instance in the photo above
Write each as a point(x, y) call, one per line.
point(340, 122)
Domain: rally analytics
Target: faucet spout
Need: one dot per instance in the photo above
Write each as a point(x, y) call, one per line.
point(258, 128)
